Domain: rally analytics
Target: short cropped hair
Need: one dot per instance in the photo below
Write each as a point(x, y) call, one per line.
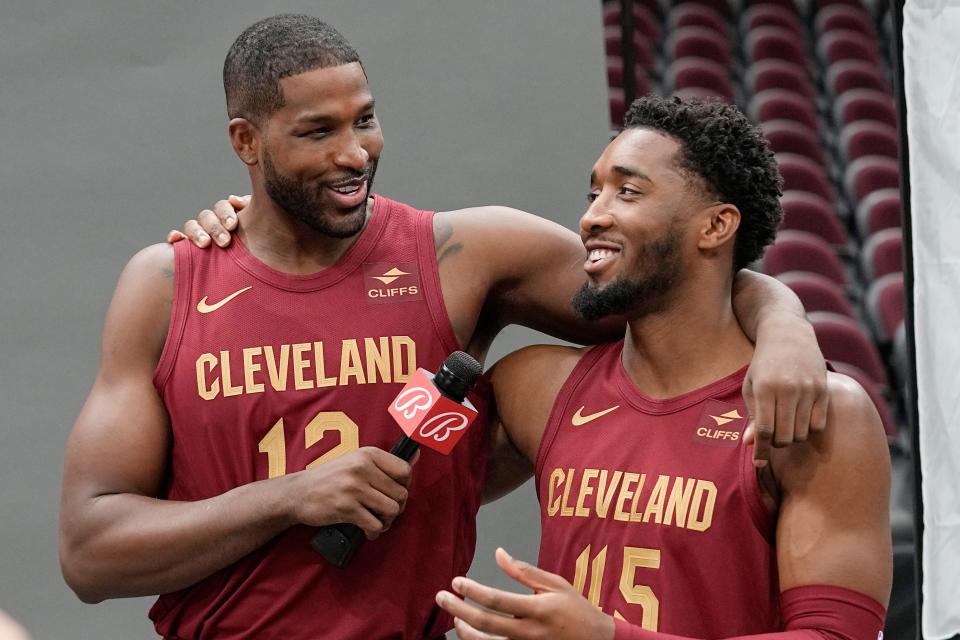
point(730, 155)
point(272, 49)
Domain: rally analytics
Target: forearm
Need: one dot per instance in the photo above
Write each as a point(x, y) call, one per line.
point(130, 545)
point(763, 304)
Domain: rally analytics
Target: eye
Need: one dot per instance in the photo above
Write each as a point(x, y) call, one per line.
point(319, 132)
point(367, 121)
point(592, 196)
point(629, 191)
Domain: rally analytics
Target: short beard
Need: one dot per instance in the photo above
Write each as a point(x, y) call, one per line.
point(657, 271)
point(305, 202)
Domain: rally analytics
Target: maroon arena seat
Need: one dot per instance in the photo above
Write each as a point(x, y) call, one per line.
point(699, 73)
point(882, 254)
point(876, 394)
point(805, 211)
point(868, 138)
point(770, 15)
point(789, 136)
point(840, 16)
point(645, 21)
point(781, 104)
point(869, 173)
point(844, 44)
point(615, 76)
point(819, 5)
point(779, 74)
point(764, 43)
point(817, 293)
point(642, 50)
point(702, 94)
point(842, 339)
point(618, 107)
point(879, 210)
point(804, 174)
point(694, 14)
point(720, 6)
point(699, 42)
point(864, 104)
point(855, 74)
point(802, 251)
point(613, 7)
point(789, 5)
point(885, 305)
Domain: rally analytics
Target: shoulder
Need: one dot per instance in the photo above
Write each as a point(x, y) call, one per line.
point(501, 225)
point(546, 364)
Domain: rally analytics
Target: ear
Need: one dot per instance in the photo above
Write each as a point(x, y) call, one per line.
point(245, 139)
point(721, 222)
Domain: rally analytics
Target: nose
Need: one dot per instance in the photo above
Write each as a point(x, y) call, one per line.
point(351, 154)
point(596, 219)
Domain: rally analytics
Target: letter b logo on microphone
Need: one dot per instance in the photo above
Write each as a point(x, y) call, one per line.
point(429, 417)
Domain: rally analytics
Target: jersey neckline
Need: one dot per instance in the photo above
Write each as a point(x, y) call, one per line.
point(347, 263)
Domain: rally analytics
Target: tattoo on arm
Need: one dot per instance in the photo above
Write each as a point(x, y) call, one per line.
point(442, 233)
point(167, 272)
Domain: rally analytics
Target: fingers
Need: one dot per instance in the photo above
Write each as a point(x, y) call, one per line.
point(226, 211)
point(762, 409)
point(818, 413)
point(175, 236)
point(196, 234)
point(786, 412)
point(480, 623)
point(801, 425)
point(238, 202)
point(466, 632)
point(528, 574)
point(514, 604)
point(397, 469)
point(211, 224)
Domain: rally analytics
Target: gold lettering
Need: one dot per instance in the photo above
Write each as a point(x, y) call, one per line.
point(565, 510)
point(277, 369)
point(378, 359)
point(299, 365)
point(636, 516)
point(207, 392)
point(322, 379)
point(400, 345)
point(249, 368)
point(606, 492)
point(655, 502)
point(350, 364)
point(625, 494)
point(705, 496)
point(556, 479)
point(585, 490)
point(228, 388)
point(679, 502)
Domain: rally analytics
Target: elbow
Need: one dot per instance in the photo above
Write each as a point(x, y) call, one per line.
point(80, 576)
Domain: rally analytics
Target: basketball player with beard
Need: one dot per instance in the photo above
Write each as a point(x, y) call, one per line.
point(241, 395)
point(655, 523)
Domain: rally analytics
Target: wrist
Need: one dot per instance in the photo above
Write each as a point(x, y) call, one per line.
point(777, 323)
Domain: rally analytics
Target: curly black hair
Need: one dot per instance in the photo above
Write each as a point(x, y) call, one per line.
point(719, 145)
point(272, 49)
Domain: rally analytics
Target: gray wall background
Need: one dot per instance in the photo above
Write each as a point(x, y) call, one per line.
point(113, 131)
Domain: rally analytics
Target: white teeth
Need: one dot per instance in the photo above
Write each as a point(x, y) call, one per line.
point(600, 254)
point(348, 190)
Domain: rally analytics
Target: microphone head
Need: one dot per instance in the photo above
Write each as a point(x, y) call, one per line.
point(457, 375)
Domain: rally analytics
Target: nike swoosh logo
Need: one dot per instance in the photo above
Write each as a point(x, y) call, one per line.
point(579, 419)
point(203, 307)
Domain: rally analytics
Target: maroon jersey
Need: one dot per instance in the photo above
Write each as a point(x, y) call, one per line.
point(651, 508)
point(266, 374)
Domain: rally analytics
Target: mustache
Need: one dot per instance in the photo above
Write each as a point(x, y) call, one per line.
point(351, 176)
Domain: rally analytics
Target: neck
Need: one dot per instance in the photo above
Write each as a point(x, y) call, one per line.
point(283, 243)
point(693, 341)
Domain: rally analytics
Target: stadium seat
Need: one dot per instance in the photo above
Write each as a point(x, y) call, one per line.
point(805, 211)
point(687, 73)
point(789, 136)
point(615, 76)
point(765, 43)
point(819, 5)
point(618, 107)
point(789, 5)
point(720, 6)
point(699, 42)
point(802, 251)
point(864, 104)
point(869, 173)
point(642, 50)
point(899, 356)
point(855, 74)
point(779, 74)
point(876, 395)
point(699, 93)
point(882, 254)
point(885, 305)
point(845, 44)
point(879, 210)
point(868, 138)
point(770, 15)
point(694, 14)
point(840, 16)
point(804, 174)
point(817, 293)
point(645, 21)
point(777, 104)
point(842, 339)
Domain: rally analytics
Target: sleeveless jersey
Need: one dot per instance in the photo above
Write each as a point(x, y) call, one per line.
point(265, 374)
point(651, 508)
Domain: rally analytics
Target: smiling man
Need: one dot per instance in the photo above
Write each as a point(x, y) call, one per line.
point(655, 524)
point(241, 396)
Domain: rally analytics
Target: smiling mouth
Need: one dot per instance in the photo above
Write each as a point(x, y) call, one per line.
point(598, 255)
point(348, 188)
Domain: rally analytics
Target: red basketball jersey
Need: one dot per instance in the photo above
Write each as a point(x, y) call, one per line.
point(651, 508)
point(266, 374)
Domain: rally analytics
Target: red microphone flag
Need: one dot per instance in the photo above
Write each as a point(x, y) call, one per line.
point(429, 417)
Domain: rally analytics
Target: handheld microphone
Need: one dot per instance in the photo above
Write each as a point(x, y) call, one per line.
point(433, 412)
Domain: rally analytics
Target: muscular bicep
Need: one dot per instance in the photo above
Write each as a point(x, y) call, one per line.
point(833, 527)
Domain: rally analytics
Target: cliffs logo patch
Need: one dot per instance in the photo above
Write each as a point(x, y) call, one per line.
point(720, 425)
point(391, 282)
